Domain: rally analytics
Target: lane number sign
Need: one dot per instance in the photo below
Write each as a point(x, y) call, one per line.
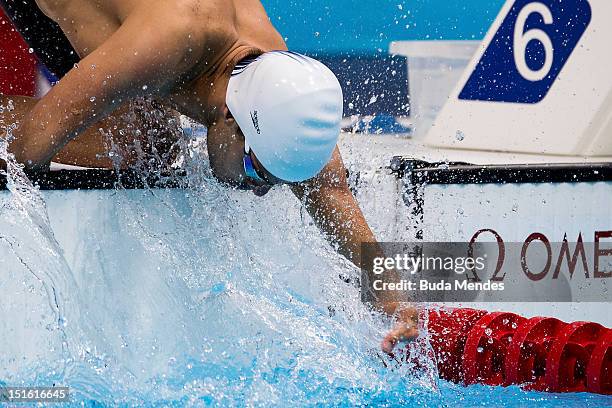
point(528, 51)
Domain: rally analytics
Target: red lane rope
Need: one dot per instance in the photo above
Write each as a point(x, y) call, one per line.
point(544, 354)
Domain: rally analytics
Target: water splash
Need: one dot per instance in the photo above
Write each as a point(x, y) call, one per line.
point(44, 327)
point(194, 295)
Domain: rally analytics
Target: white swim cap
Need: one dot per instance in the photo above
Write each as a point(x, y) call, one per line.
point(289, 108)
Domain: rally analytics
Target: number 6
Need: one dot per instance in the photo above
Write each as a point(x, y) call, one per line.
point(522, 39)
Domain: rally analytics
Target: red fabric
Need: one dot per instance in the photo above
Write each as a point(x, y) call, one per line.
point(17, 65)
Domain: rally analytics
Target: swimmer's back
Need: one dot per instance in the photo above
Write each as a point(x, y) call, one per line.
point(88, 23)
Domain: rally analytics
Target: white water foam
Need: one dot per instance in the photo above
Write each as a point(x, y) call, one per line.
point(201, 294)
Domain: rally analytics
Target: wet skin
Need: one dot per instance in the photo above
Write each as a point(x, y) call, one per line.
point(181, 52)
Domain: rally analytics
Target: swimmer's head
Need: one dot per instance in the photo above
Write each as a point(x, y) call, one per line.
point(289, 108)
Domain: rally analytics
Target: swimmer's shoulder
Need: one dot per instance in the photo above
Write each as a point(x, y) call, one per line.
point(53, 8)
point(209, 22)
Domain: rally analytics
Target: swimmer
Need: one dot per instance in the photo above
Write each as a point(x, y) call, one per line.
point(273, 116)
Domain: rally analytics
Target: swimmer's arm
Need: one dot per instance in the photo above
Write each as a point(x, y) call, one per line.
point(331, 204)
point(144, 56)
point(89, 148)
point(336, 212)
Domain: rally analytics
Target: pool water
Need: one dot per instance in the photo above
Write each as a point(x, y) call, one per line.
point(201, 297)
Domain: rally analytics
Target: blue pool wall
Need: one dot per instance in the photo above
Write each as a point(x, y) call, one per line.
point(366, 27)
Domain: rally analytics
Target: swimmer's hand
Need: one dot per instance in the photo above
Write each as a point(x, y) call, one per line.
point(406, 328)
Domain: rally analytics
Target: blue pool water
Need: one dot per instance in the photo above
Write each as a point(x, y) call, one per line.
point(200, 297)
point(321, 26)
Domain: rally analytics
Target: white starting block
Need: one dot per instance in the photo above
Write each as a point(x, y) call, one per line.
point(541, 83)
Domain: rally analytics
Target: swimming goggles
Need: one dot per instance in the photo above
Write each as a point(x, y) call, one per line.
point(251, 172)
